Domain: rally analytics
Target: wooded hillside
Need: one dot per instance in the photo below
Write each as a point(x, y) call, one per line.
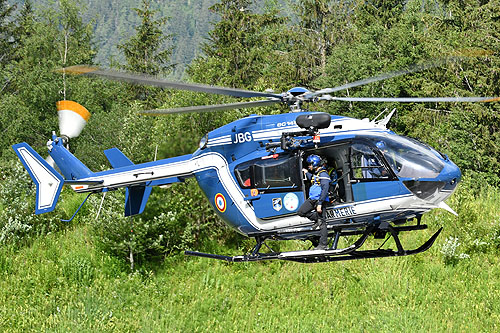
point(112, 21)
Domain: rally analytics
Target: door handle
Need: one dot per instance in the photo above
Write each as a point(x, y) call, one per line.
point(257, 197)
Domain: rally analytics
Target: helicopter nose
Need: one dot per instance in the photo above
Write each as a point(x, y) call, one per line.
point(451, 176)
point(437, 189)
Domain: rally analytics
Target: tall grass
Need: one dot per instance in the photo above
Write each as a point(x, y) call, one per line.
point(62, 282)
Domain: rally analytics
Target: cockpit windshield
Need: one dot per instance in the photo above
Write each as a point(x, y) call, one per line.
point(408, 157)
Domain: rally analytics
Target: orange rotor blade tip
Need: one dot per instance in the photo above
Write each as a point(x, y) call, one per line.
point(78, 69)
point(494, 99)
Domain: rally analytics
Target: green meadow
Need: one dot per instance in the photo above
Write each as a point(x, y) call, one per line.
point(62, 282)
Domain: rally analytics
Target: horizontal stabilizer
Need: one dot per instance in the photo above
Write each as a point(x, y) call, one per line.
point(116, 158)
point(136, 198)
point(48, 181)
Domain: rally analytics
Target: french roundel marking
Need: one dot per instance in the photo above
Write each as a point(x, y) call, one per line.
point(220, 202)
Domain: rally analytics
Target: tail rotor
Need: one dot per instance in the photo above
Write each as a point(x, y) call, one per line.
point(72, 119)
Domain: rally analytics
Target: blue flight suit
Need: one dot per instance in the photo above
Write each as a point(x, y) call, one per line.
point(318, 195)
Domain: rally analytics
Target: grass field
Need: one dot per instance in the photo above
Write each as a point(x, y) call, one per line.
point(62, 283)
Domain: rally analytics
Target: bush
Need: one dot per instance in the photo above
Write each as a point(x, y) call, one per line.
point(17, 201)
point(174, 220)
point(477, 227)
point(450, 251)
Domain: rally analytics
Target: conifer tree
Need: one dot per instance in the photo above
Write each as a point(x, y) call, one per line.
point(25, 21)
point(322, 23)
point(145, 52)
point(238, 45)
point(6, 32)
point(41, 44)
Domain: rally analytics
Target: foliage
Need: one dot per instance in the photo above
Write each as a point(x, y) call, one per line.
point(28, 106)
point(330, 43)
point(418, 34)
point(450, 253)
point(478, 222)
point(18, 224)
point(74, 277)
point(145, 51)
point(238, 45)
point(323, 24)
point(176, 219)
point(6, 33)
point(115, 22)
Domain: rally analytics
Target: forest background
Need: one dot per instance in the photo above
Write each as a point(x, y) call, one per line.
point(98, 275)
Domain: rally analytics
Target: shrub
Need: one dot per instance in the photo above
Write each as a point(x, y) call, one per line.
point(17, 201)
point(450, 251)
point(477, 224)
point(174, 220)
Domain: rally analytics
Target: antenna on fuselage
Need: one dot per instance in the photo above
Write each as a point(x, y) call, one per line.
point(383, 122)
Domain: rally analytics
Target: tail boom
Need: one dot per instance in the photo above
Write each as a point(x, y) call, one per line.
point(161, 172)
point(138, 179)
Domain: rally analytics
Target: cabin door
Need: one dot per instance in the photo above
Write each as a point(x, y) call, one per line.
point(273, 185)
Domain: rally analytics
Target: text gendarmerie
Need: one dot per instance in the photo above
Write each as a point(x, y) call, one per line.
point(346, 211)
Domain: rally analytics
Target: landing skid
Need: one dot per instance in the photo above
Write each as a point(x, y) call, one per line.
point(331, 254)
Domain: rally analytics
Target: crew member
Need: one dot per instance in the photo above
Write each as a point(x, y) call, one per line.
point(312, 208)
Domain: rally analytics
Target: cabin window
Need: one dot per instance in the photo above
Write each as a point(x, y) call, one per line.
point(366, 165)
point(281, 172)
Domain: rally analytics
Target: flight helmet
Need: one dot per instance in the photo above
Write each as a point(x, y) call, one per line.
point(314, 160)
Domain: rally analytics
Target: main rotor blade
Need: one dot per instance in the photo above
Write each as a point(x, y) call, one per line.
point(206, 108)
point(159, 82)
point(412, 99)
point(385, 76)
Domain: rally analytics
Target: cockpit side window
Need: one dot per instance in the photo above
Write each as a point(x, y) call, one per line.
point(281, 172)
point(366, 164)
point(244, 174)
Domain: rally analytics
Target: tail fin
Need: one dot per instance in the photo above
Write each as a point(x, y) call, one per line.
point(116, 158)
point(48, 181)
point(136, 198)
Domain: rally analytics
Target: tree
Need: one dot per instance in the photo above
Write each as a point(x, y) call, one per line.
point(25, 21)
point(322, 25)
point(145, 52)
point(424, 31)
point(6, 42)
point(6, 32)
point(238, 45)
point(55, 38)
point(27, 108)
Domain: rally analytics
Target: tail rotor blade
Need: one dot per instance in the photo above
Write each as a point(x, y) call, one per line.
point(72, 118)
point(52, 163)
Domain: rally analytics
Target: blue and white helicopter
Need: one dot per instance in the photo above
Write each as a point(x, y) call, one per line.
point(251, 170)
